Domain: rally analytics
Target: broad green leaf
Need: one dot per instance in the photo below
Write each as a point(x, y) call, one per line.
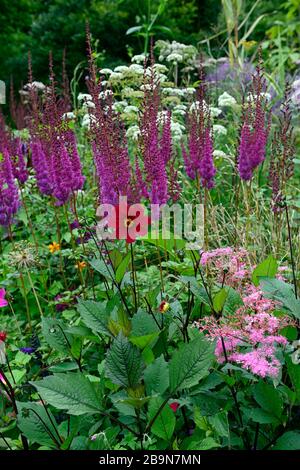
point(121, 270)
point(190, 363)
point(232, 302)
point(267, 268)
point(164, 424)
point(144, 329)
point(123, 363)
point(71, 391)
point(102, 268)
point(156, 376)
point(220, 299)
point(94, 315)
point(258, 415)
point(54, 333)
point(283, 293)
point(290, 440)
point(268, 398)
point(36, 424)
point(294, 373)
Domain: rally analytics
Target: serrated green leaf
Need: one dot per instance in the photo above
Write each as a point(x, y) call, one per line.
point(290, 440)
point(283, 293)
point(123, 364)
point(102, 268)
point(190, 363)
point(36, 424)
point(164, 424)
point(156, 376)
point(95, 315)
point(268, 398)
point(54, 333)
point(71, 391)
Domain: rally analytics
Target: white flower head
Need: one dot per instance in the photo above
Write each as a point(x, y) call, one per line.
point(226, 100)
point(219, 129)
point(133, 133)
point(106, 71)
point(140, 58)
point(174, 57)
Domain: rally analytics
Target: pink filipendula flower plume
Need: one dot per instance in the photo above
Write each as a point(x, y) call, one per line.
point(254, 129)
point(198, 160)
point(3, 301)
point(251, 337)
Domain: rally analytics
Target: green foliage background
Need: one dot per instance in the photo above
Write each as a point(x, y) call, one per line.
point(44, 25)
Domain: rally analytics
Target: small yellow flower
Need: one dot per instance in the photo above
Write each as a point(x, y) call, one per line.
point(164, 307)
point(53, 247)
point(80, 265)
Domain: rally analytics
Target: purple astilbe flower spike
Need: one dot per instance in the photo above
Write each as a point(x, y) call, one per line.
point(19, 168)
point(155, 151)
point(109, 143)
point(198, 159)
point(78, 178)
point(41, 167)
point(62, 175)
point(166, 139)
point(207, 169)
point(255, 128)
point(9, 196)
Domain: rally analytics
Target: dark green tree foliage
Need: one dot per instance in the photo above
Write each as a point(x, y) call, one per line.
point(43, 25)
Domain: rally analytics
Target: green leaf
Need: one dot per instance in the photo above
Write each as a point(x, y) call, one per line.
point(54, 333)
point(220, 299)
point(71, 391)
point(156, 376)
point(164, 424)
point(102, 268)
point(121, 270)
point(144, 329)
point(36, 424)
point(206, 444)
point(294, 374)
point(268, 398)
point(190, 363)
point(267, 268)
point(232, 302)
point(290, 440)
point(94, 315)
point(283, 293)
point(123, 363)
point(258, 415)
